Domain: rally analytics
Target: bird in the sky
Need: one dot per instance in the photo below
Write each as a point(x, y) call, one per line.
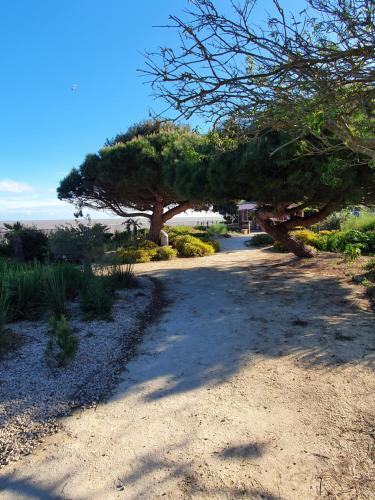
point(74, 87)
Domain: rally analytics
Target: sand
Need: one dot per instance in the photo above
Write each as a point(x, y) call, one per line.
point(257, 382)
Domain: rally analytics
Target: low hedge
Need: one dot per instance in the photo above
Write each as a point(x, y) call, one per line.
point(165, 253)
point(189, 246)
point(261, 240)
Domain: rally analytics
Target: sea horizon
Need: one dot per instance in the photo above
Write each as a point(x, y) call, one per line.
point(114, 223)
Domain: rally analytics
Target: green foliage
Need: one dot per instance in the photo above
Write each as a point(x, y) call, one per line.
point(165, 253)
point(6, 336)
point(96, 299)
point(33, 288)
point(364, 222)
point(370, 265)
point(261, 240)
point(148, 245)
point(279, 247)
point(26, 288)
point(189, 246)
point(136, 255)
point(213, 243)
point(174, 231)
point(217, 230)
point(352, 251)
point(25, 243)
point(334, 221)
point(308, 238)
point(63, 343)
point(140, 169)
point(117, 276)
point(79, 243)
point(55, 291)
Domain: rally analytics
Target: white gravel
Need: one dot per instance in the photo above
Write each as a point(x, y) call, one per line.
point(33, 394)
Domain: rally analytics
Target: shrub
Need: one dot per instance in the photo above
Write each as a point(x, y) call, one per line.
point(63, 343)
point(117, 276)
point(26, 292)
point(136, 255)
point(189, 246)
point(177, 230)
point(79, 243)
point(261, 240)
point(6, 337)
point(308, 238)
point(219, 229)
point(55, 291)
point(72, 277)
point(370, 265)
point(334, 221)
point(343, 238)
point(147, 245)
point(96, 299)
point(213, 243)
point(25, 243)
point(165, 253)
point(279, 247)
point(364, 222)
point(352, 252)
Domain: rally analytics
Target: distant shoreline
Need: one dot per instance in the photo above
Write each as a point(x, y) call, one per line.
point(116, 224)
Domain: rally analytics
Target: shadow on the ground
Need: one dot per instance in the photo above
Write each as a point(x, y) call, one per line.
point(191, 481)
point(272, 310)
point(28, 488)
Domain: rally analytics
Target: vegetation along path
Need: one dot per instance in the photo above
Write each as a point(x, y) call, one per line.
point(256, 383)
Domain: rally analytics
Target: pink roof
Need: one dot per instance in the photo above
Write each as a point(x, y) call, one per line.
point(247, 206)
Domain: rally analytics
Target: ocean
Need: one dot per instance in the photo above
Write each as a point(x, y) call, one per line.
point(118, 224)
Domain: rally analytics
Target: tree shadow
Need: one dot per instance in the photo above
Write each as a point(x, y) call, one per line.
point(28, 488)
point(184, 476)
point(229, 316)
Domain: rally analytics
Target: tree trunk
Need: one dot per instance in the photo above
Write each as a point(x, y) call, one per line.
point(281, 234)
point(156, 223)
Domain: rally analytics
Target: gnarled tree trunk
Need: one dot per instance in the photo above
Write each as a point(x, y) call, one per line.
point(156, 222)
point(280, 229)
point(281, 234)
point(159, 217)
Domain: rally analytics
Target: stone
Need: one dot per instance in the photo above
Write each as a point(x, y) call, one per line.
point(164, 238)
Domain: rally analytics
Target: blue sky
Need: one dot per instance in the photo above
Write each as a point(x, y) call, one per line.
point(46, 47)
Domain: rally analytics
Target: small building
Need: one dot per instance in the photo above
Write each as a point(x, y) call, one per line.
point(246, 216)
point(247, 219)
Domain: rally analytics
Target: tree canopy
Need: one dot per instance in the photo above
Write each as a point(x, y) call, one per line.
point(128, 176)
point(306, 73)
point(285, 184)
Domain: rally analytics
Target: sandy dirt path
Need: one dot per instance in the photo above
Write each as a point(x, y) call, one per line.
point(257, 383)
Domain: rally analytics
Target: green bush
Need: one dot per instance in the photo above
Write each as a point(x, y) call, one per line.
point(165, 253)
point(136, 255)
point(189, 246)
point(55, 291)
point(261, 240)
point(310, 238)
point(334, 221)
point(147, 245)
point(352, 252)
point(177, 230)
point(117, 276)
point(63, 343)
point(26, 288)
point(279, 247)
point(213, 243)
point(218, 229)
point(364, 222)
point(96, 299)
point(370, 265)
point(80, 243)
point(25, 243)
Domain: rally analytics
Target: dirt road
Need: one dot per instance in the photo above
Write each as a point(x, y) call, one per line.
point(258, 382)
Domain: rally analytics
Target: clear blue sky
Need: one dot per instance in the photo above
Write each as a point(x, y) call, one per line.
point(46, 47)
